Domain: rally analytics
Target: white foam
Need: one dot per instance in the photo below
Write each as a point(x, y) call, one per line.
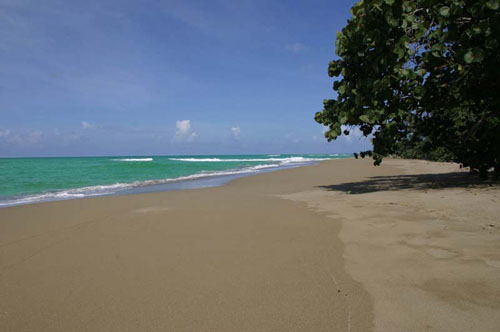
point(264, 166)
point(134, 159)
point(109, 189)
point(281, 160)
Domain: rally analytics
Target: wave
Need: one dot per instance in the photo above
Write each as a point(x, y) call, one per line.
point(134, 159)
point(281, 160)
point(101, 190)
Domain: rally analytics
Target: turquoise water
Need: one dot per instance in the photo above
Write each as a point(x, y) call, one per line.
point(28, 180)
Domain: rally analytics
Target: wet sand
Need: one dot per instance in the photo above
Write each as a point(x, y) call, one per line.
point(339, 246)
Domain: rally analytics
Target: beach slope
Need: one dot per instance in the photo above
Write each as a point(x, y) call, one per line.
point(339, 246)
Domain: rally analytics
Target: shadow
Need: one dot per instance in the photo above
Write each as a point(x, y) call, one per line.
point(417, 182)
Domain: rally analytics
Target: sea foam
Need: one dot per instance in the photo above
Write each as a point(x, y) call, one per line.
point(280, 160)
point(110, 189)
point(163, 170)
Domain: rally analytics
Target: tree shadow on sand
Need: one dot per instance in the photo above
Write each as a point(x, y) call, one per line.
point(417, 182)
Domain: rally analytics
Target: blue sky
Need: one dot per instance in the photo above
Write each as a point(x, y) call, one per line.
point(166, 77)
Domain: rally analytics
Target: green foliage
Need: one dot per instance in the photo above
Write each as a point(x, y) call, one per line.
point(420, 77)
point(423, 150)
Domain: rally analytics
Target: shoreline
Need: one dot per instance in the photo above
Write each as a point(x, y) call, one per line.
point(340, 245)
point(193, 181)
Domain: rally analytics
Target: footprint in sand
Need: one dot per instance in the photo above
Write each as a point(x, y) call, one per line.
point(493, 263)
point(150, 209)
point(441, 253)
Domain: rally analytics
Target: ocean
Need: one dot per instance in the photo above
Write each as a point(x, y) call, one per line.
point(31, 180)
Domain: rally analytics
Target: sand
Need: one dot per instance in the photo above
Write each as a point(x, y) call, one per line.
point(339, 246)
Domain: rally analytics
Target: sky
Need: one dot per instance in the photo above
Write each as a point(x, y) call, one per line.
point(167, 77)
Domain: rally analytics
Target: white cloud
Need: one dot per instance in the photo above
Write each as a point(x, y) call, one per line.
point(86, 125)
point(34, 137)
point(235, 131)
point(296, 47)
point(184, 131)
point(183, 126)
point(354, 133)
point(4, 133)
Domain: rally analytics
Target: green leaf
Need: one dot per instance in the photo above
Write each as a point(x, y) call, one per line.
point(376, 5)
point(334, 68)
point(389, 2)
point(444, 11)
point(399, 52)
point(469, 57)
point(338, 130)
point(391, 19)
point(343, 119)
point(318, 117)
point(421, 72)
point(365, 118)
point(474, 55)
point(419, 90)
point(493, 4)
point(336, 85)
point(330, 134)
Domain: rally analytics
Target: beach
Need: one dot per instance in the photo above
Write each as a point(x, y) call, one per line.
point(337, 246)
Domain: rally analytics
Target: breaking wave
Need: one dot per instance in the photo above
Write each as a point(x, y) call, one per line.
point(280, 160)
point(110, 189)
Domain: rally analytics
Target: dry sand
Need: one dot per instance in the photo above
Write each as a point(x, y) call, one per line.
point(339, 246)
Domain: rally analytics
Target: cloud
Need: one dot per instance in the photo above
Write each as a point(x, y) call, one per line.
point(89, 125)
point(34, 137)
point(296, 47)
point(235, 131)
point(184, 132)
point(4, 133)
point(86, 125)
point(354, 133)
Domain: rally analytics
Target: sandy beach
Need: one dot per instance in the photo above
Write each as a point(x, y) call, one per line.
point(338, 246)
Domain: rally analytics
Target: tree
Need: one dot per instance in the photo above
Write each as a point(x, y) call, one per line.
point(420, 74)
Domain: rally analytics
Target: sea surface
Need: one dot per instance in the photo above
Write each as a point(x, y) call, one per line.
point(31, 180)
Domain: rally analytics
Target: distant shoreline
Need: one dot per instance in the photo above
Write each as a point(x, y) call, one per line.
point(196, 179)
